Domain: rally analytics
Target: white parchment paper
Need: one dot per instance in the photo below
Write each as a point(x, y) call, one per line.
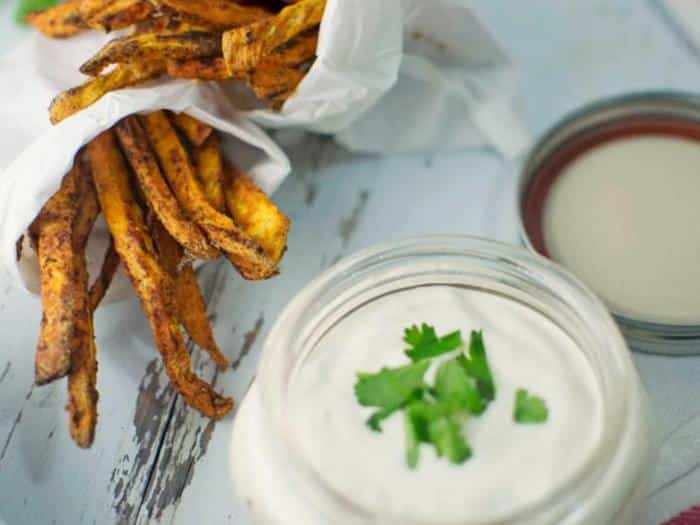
point(391, 76)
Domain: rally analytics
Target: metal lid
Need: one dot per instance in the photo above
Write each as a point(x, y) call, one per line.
point(670, 113)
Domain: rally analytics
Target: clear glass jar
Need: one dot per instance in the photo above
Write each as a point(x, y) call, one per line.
point(609, 488)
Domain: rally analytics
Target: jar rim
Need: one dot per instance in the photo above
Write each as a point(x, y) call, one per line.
point(278, 360)
point(586, 125)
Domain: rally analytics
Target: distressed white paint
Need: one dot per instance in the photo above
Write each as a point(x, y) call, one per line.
point(570, 52)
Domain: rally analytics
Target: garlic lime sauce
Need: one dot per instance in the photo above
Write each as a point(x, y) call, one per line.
point(512, 465)
point(302, 453)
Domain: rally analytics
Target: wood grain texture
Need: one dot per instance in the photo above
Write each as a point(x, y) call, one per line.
point(147, 460)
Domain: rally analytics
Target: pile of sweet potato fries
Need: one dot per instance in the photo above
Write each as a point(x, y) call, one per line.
point(168, 197)
point(268, 45)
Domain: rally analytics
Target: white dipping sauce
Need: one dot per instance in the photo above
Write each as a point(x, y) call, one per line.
point(513, 465)
point(625, 217)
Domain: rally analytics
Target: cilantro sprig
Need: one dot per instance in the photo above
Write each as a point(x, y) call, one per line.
point(529, 409)
point(438, 424)
point(454, 387)
point(424, 343)
point(433, 414)
point(390, 389)
point(463, 387)
point(477, 366)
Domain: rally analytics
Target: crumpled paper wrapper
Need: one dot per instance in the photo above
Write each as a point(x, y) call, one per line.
point(391, 76)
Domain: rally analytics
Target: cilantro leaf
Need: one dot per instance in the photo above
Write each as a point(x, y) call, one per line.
point(477, 366)
point(413, 439)
point(453, 385)
point(435, 423)
point(375, 420)
point(424, 342)
point(415, 336)
point(434, 415)
point(28, 6)
point(390, 389)
point(448, 439)
point(529, 409)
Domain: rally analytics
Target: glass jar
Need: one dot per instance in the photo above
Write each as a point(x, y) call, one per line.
point(270, 469)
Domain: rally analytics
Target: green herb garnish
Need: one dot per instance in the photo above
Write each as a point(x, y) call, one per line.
point(390, 389)
point(447, 438)
point(454, 386)
point(477, 366)
point(28, 6)
point(415, 434)
point(432, 414)
point(424, 342)
point(529, 409)
point(437, 424)
point(435, 414)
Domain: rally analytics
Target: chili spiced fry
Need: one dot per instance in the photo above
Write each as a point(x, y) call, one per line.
point(80, 97)
point(151, 282)
point(195, 131)
point(210, 172)
point(160, 199)
point(52, 234)
point(60, 21)
point(245, 254)
point(245, 47)
point(82, 378)
point(114, 14)
point(149, 48)
point(192, 310)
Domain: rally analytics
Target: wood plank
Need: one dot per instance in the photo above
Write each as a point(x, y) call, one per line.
point(44, 478)
point(40, 462)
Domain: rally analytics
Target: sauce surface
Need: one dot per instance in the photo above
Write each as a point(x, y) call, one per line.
point(625, 218)
point(512, 465)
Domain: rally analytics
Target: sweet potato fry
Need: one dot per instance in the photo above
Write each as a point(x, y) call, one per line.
point(277, 102)
point(108, 15)
point(245, 254)
point(52, 233)
point(149, 48)
point(157, 194)
point(245, 47)
point(195, 131)
point(99, 288)
point(171, 23)
point(152, 283)
point(210, 173)
point(82, 378)
point(169, 252)
point(193, 314)
point(80, 97)
point(296, 52)
point(192, 310)
point(208, 68)
point(252, 209)
point(300, 50)
point(60, 21)
point(222, 14)
point(274, 81)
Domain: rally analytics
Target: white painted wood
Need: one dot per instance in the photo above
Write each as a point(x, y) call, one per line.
point(570, 53)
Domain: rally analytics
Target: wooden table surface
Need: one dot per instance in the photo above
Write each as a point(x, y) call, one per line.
point(156, 461)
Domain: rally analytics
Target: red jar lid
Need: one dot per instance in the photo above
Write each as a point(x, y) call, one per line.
point(555, 165)
point(654, 115)
point(689, 517)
